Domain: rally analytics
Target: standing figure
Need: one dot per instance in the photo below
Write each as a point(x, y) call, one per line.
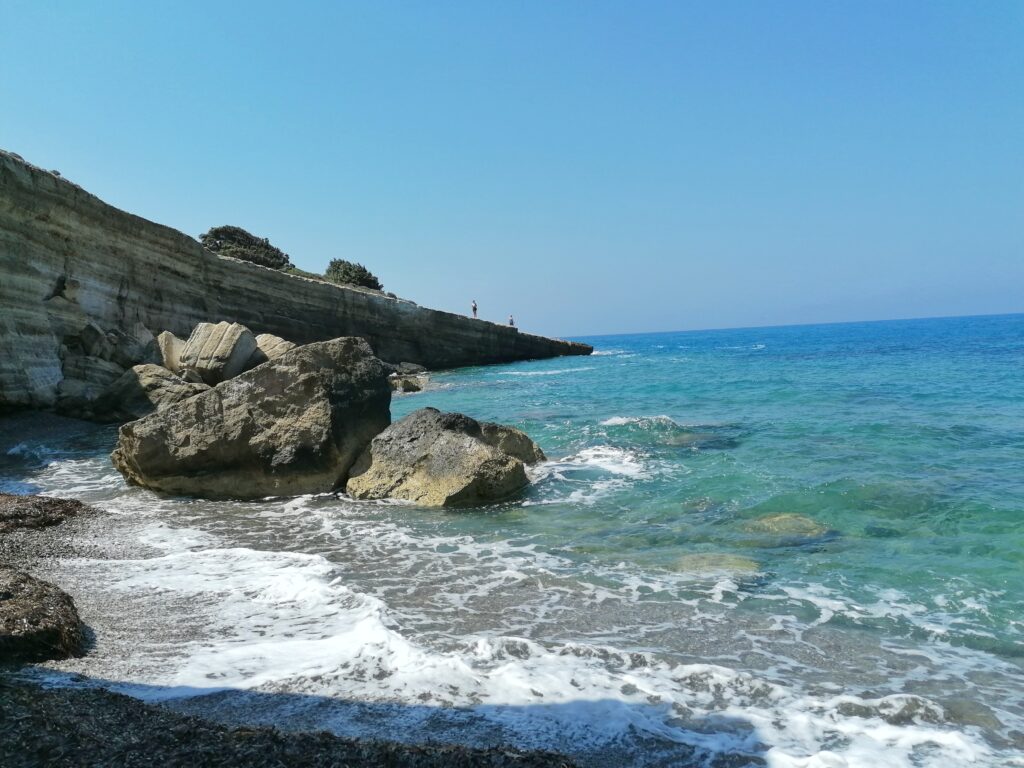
point(474, 308)
point(511, 321)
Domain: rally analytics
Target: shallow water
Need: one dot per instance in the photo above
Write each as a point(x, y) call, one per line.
point(643, 602)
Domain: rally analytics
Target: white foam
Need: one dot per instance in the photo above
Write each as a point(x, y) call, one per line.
point(467, 637)
point(556, 372)
point(617, 461)
point(287, 622)
point(620, 421)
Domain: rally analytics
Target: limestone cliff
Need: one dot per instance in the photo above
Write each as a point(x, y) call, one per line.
point(69, 263)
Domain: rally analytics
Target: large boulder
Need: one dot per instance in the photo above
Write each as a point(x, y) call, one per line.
point(217, 351)
point(293, 425)
point(511, 441)
point(442, 459)
point(37, 620)
point(407, 384)
point(268, 347)
point(141, 390)
point(170, 347)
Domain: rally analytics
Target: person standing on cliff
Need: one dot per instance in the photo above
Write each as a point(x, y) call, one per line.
point(511, 321)
point(474, 309)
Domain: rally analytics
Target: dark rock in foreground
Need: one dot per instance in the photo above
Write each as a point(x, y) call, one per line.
point(443, 459)
point(293, 425)
point(38, 621)
point(18, 511)
point(75, 727)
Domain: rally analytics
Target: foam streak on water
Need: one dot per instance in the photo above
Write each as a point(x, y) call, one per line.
point(810, 556)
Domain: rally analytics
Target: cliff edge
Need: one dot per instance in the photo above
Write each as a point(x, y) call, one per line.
point(68, 260)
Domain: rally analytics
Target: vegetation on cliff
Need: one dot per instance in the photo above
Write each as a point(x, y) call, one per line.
point(350, 273)
point(240, 244)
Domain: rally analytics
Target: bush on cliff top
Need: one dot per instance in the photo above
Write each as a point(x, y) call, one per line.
point(348, 273)
point(236, 242)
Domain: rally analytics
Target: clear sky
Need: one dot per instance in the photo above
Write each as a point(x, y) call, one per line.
point(592, 167)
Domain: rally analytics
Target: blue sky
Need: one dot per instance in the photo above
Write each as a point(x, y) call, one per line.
point(591, 167)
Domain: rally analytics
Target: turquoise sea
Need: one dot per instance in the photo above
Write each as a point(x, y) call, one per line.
point(793, 546)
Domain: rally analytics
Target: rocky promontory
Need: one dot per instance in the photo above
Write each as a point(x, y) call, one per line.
point(86, 287)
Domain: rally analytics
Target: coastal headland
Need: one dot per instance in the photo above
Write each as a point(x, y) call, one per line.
point(68, 259)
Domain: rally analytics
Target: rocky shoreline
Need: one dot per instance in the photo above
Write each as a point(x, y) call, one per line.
point(306, 420)
point(227, 414)
point(49, 725)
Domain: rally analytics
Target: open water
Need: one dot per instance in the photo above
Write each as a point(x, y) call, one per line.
point(798, 546)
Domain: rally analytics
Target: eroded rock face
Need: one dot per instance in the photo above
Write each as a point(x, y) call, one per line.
point(133, 345)
point(217, 351)
point(293, 425)
point(85, 379)
point(18, 511)
point(170, 347)
point(38, 621)
point(67, 259)
point(441, 459)
point(511, 441)
point(141, 390)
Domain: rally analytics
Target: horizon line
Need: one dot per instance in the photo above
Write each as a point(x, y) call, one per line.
point(793, 325)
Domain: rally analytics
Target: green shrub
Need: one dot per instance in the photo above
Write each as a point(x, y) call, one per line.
point(293, 270)
point(349, 273)
point(236, 242)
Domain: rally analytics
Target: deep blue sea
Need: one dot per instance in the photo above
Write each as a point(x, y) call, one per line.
point(794, 546)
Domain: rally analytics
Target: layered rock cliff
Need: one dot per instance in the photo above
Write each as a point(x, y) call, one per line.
point(70, 265)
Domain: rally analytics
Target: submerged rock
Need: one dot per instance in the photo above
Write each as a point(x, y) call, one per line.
point(711, 563)
point(291, 426)
point(218, 351)
point(38, 621)
point(443, 459)
point(142, 390)
point(17, 511)
point(787, 524)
